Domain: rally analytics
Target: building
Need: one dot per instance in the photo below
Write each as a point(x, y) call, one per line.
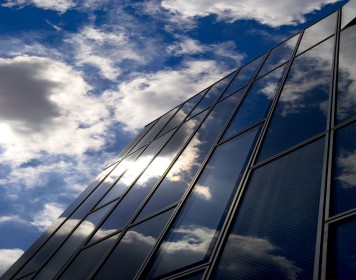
point(252, 178)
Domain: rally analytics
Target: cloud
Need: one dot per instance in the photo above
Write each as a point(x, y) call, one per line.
point(56, 5)
point(48, 110)
point(13, 218)
point(8, 257)
point(202, 192)
point(346, 162)
point(275, 13)
point(148, 96)
point(45, 217)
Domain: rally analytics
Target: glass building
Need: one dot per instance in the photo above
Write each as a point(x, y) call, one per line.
point(252, 178)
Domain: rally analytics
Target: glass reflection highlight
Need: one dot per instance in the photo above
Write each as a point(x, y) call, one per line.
point(193, 232)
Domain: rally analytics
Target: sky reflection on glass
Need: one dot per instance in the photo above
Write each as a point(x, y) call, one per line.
point(182, 172)
point(302, 109)
point(346, 96)
point(138, 192)
point(274, 232)
point(256, 104)
point(344, 189)
point(192, 233)
point(348, 13)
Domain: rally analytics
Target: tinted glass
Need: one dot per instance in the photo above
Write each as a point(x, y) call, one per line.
point(138, 241)
point(213, 94)
point(348, 14)
point(342, 251)
point(274, 232)
point(318, 32)
point(279, 55)
point(183, 171)
point(193, 276)
point(302, 109)
point(133, 142)
point(162, 121)
point(181, 114)
point(346, 96)
point(243, 76)
point(193, 232)
point(135, 170)
point(138, 192)
point(344, 189)
point(72, 244)
point(87, 260)
point(256, 104)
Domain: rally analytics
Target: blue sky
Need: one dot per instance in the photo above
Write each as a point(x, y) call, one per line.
point(80, 78)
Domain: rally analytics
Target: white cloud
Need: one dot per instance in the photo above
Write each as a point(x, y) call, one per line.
point(8, 257)
point(47, 215)
point(148, 96)
point(13, 218)
point(273, 13)
point(57, 5)
point(187, 46)
point(203, 192)
point(104, 49)
point(347, 164)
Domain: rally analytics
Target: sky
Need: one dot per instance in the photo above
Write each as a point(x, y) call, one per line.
point(79, 79)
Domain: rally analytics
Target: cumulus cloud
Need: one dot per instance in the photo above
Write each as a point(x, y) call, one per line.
point(12, 218)
point(8, 257)
point(347, 163)
point(275, 13)
point(56, 5)
point(47, 215)
point(146, 97)
point(104, 49)
point(45, 106)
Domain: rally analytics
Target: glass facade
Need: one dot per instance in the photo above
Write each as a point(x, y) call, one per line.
point(252, 178)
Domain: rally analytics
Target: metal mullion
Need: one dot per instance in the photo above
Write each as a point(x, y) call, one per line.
point(341, 216)
point(59, 226)
point(330, 154)
point(197, 175)
point(317, 44)
point(198, 268)
point(222, 238)
point(345, 123)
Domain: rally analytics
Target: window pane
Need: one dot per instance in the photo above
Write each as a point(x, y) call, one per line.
point(72, 244)
point(155, 129)
point(213, 94)
point(135, 170)
point(193, 232)
point(318, 32)
point(87, 260)
point(346, 96)
point(342, 251)
point(274, 231)
point(181, 114)
point(344, 189)
point(138, 192)
point(348, 14)
point(279, 55)
point(302, 109)
point(193, 276)
point(256, 104)
point(183, 171)
point(138, 241)
point(133, 142)
point(243, 76)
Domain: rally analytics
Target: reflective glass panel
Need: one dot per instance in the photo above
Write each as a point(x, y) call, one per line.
point(318, 32)
point(213, 94)
point(88, 259)
point(193, 276)
point(193, 232)
point(72, 244)
point(135, 170)
point(133, 249)
point(134, 141)
point(342, 251)
point(256, 104)
point(302, 109)
point(183, 171)
point(344, 189)
point(348, 14)
point(346, 96)
point(138, 192)
point(279, 55)
point(162, 121)
point(243, 76)
point(274, 231)
point(181, 114)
